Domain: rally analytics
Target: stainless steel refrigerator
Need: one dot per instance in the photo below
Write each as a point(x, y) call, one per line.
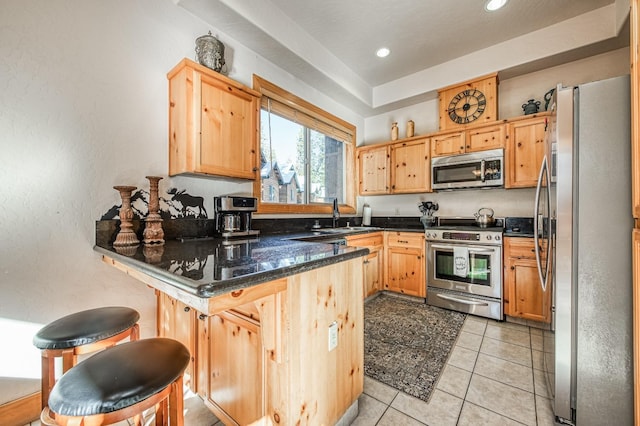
point(583, 209)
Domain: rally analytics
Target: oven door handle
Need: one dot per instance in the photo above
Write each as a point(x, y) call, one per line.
point(471, 250)
point(463, 301)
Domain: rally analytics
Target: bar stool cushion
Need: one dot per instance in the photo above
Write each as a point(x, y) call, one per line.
point(119, 377)
point(85, 327)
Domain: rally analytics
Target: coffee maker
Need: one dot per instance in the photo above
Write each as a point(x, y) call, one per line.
point(233, 216)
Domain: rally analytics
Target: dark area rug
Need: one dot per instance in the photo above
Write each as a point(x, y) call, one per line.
point(407, 343)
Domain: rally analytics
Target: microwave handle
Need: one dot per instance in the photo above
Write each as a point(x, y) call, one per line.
point(482, 170)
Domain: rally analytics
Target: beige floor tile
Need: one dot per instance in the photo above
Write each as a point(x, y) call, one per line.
point(535, 331)
point(380, 391)
point(474, 325)
point(454, 380)
point(370, 410)
point(540, 383)
point(502, 399)
point(544, 412)
point(508, 351)
point(472, 415)
point(537, 359)
point(509, 335)
point(506, 372)
point(536, 342)
point(395, 418)
point(463, 358)
point(511, 326)
point(469, 340)
point(442, 409)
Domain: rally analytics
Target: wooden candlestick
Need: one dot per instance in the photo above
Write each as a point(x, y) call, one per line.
point(126, 236)
point(153, 233)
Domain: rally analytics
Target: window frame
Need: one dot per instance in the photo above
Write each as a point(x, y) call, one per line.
point(290, 100)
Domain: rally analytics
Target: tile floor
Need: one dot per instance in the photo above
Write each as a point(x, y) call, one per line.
point(493, 377)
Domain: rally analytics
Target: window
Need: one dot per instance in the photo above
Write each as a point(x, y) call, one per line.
point(306, 155)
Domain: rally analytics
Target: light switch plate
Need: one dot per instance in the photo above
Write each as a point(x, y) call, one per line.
point(333, 335)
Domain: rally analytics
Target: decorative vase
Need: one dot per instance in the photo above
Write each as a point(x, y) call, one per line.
point(531, 107)
point(153, 233)
point(126, 237)
point(210, 52)
point(410, 128)
point(394, 131)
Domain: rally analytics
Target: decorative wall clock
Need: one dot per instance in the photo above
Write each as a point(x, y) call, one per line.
point(471, 102)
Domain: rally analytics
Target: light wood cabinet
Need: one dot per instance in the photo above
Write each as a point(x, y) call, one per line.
point(410, 167)
point(405, 263)
point(178, 321)
point(524, 151)
point(523, 295)
point(480, 138)
point(236, 374)
point(373, 170)
point(213, 123)
point(373, 263)
point(261, 353)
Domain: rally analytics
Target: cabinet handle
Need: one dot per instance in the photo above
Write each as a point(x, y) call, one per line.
point(366, 262)
point(403, 241)
point(187, 309)
point(513, 268)
point(255, 169)
point(202, 317)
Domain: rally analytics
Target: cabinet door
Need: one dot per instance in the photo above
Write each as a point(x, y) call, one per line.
point(236, 385)
point(525, 296)
point(178, 321)
point(406, 271)
point(448, 144)
point(410, 167)
point(373, 170)
point(373, 272)
point(525, 151)
point(228, 130)
point(485, 138)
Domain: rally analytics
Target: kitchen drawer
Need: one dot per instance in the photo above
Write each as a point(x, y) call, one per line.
point(521, 248)
point(365, 240)
point(405, 239)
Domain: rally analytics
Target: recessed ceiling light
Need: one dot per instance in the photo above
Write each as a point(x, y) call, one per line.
point(383, 52)
point(492, 5)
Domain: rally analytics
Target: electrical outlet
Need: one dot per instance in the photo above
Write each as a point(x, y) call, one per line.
point(333, 335)
point(397, 211)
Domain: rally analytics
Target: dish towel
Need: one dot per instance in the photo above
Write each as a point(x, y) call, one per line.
point(460, 261)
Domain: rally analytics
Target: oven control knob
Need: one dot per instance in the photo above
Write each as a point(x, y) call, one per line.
point(498, 238)
point(488, 237)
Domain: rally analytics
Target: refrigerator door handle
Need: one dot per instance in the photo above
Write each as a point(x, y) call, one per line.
point(536, 223)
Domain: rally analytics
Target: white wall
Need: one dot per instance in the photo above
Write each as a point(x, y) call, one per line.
point(83, 107)
point(512, 94)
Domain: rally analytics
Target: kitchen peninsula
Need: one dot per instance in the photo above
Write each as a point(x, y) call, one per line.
point(274, 326)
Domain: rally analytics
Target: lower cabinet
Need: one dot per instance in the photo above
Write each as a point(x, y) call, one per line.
point(262, 354)
point(523, 295)
point(236, 358)
point(178, 321)
point(373, 263)
point(405, 263)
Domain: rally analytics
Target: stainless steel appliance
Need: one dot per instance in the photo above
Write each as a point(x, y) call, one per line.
point(583, 207)
point(464, 267)
point(484, 169)
point(233, 216)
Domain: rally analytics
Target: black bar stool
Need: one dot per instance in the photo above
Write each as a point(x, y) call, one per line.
point(81, 333)
point(121, 382)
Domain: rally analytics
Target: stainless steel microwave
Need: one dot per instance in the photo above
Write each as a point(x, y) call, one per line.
point(483, 169)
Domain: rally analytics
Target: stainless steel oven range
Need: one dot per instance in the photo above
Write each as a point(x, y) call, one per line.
point(464, 268)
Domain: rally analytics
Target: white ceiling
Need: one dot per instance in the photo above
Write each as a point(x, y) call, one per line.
point(331, 44)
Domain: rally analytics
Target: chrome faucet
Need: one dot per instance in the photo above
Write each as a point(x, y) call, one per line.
point(336, 212)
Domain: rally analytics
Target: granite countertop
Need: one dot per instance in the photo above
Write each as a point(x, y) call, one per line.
point(213, 266)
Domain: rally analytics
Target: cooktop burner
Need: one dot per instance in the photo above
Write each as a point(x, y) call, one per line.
point(465, 224)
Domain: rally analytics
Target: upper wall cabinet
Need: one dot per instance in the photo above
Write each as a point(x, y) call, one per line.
point(213, 123)
point(400, 167)
point(525, 150)
point(470, 140)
